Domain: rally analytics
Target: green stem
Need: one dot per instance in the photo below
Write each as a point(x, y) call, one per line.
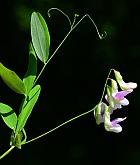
point(72, 28)
point(61, 125)
point(52, 56)
point(39, 74)
point(7, 152)
point(105, 85)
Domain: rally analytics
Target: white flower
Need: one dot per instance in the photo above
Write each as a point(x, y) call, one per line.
point(122, 84)
point(113, 125)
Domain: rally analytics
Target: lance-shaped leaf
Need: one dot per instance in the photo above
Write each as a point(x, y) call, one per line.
point(12, 80)
point(40, 36)
point(27, 108)
point(8, 116)
point(31, 71)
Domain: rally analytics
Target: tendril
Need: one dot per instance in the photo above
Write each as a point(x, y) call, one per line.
point(49, 15)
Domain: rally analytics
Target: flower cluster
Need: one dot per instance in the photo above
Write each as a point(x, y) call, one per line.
point(115, 100)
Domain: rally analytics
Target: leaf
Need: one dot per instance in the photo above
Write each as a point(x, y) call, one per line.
point(40, 36)
point(28, 107)
point(8, 116)
point(12, 80)
point(31, 71)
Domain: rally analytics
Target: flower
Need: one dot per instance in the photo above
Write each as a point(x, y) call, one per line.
point(115, 98)
point(113, 125)
point(102, 115)
point(122, 84)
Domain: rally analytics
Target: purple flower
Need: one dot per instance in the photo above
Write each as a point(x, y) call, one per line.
point(115, 98)
point(102, 115)
point(113, 125)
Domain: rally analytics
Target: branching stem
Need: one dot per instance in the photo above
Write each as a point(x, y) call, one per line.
point(68, 121)
point(73, 26)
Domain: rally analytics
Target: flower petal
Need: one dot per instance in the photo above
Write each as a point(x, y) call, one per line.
point(131, 85)
point(117, 128)
point(118, 120)
point(120, 95)
point(124, 102)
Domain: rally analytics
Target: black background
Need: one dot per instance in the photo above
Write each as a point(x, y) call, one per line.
point(73, 81)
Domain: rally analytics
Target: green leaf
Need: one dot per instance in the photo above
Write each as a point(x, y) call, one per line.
point(27, 107)
point(40, 36)
point(31, 71)
point(8, 116)
point(12, 80)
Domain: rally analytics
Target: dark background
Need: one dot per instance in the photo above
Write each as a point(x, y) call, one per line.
point(73, 81)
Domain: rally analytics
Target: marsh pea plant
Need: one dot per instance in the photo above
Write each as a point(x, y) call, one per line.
point(114, 98)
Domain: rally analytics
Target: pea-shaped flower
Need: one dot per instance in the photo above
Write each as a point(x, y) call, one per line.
point(102, 115)
point(112, 126)
point(122, 84)
point(115, 98)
